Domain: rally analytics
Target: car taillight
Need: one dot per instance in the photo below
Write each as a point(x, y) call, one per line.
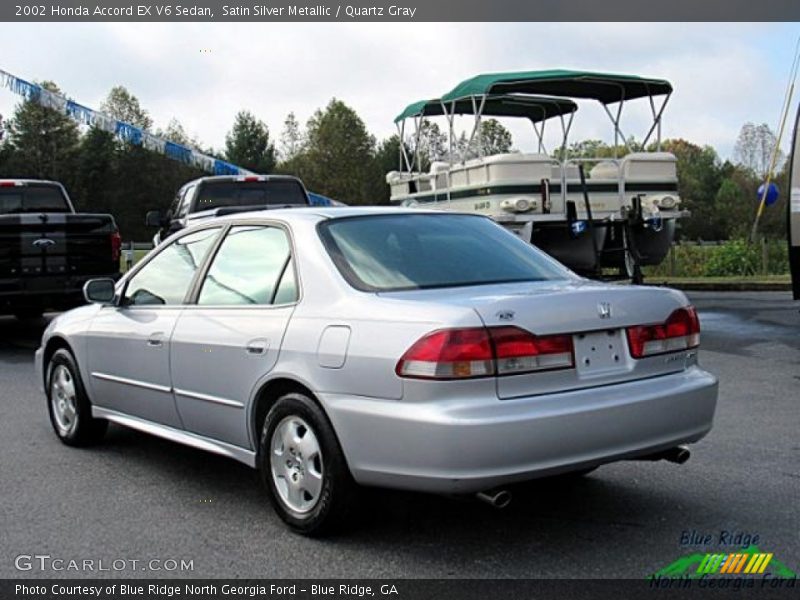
point(680, 331)
point(481, 352)
point(449, 354)
point(519, 351)
point(116, 246)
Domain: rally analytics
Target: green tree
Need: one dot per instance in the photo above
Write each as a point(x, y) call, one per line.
point(338, 158)
point(433, 145)
point(734, 212)
point(135, 179)
point(94, 191)
point(124, 106)
point(387, 158)
point(699, 178)
point(587, 149)
point(175, 132)
point(291, 138)
point(44, 141)
point(754, 148)
point(773, 220)
point(494, 137)
point(248, 144)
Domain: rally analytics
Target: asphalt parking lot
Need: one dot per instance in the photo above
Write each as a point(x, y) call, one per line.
point(137, 497)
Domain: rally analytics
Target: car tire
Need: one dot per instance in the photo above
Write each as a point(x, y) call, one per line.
point(303, 468)
point(68, 405)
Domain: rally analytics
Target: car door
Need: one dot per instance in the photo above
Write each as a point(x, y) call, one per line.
point(794, 209)
point(230, 338)
point(128, 345)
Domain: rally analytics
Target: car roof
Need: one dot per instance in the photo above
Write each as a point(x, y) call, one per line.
point(321, 213)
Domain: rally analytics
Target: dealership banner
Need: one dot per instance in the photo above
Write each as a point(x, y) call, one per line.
point(400, 10)
point(122, 130)
point(388, 589)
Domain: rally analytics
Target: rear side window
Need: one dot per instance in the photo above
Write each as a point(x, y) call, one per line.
point(249, 193)
point(32, 198)
point(420, 251)
point(166, 278)
point(252, 267)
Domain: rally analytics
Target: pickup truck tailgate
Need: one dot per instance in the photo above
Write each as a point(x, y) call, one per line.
point(40, 244)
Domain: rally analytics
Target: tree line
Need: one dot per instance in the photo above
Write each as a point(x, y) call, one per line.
point(335, 155)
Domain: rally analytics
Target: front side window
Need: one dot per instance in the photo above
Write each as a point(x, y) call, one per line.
point(423, 251)
point(166, 278)
point(252, 267)
point(186, 200)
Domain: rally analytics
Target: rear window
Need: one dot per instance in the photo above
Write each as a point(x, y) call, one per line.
point(249, 193)
point(407, 251)
point(32, 199)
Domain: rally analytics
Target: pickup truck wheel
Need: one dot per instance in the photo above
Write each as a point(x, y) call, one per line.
point(303, 468)
point(68, 405)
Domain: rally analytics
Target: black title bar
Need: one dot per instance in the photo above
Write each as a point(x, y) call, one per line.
point(399, 589)
point(400, 10)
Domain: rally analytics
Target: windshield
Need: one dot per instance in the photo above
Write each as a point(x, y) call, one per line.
point(249, 193)
point(421, 251)
point(32, 199)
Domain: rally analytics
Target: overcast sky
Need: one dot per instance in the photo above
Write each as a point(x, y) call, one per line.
point(723, 74)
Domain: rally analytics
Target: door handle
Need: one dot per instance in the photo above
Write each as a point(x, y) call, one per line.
point(257, 347)
point(156, 340)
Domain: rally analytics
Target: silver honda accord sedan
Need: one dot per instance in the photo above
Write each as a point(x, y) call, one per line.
point(332, 348)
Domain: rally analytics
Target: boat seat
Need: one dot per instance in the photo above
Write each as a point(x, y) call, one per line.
point(571, 172)
point(604, 170)
point(649, 166)
point(516, 157)
point(395, 177)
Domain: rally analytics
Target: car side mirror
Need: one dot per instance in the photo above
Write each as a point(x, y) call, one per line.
point(153, 218)
point(100, 291)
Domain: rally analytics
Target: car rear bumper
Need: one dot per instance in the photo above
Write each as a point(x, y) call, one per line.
point(452, 447)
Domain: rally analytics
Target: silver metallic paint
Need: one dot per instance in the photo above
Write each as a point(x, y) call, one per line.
point(453, 436)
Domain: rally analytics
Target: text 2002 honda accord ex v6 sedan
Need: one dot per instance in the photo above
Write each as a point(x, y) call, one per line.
point(385, 347)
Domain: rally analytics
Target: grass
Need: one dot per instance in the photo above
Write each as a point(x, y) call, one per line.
point(732, 279)
point(734, 283)
point(137, 256)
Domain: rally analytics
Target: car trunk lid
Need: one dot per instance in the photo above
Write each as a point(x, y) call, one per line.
point(595, 315)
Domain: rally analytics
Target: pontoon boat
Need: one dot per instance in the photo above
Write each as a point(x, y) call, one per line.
point(590, 213)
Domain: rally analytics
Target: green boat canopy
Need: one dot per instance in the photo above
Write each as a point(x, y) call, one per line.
point(605, 87)
point(534, 108)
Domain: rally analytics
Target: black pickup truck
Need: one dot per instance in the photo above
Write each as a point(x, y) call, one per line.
point(47, 250)
point(224, 194)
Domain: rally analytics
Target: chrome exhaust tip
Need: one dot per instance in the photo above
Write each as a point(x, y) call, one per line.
point(495, 498)
point(678, 455)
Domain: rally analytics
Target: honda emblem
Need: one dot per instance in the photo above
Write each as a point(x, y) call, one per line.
point(604, 310)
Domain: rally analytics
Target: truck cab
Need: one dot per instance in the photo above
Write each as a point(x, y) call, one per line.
point(224, 194)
